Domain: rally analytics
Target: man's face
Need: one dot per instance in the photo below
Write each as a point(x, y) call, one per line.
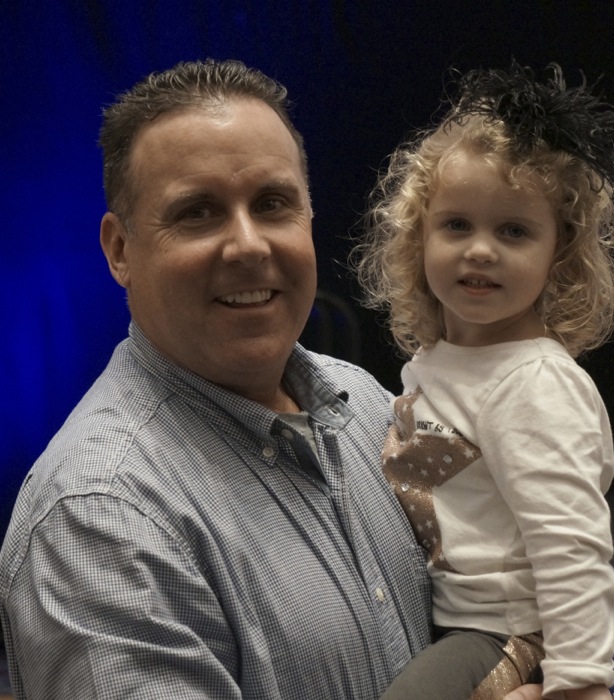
point(219, 264)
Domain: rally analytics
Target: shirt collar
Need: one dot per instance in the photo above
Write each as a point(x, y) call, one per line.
point(313, 387)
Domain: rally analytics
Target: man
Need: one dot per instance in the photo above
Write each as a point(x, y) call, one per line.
point(211, 521)
point(189, 533)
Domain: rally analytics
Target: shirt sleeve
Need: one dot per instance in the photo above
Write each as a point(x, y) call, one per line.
point(119, 609)
point(545, 435)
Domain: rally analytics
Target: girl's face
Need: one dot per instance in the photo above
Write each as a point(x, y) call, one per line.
point(488, 250)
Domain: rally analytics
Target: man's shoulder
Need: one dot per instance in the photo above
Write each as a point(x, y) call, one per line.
point(85, 453)
point(340, 374)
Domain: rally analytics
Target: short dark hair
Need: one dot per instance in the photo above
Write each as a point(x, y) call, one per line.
point(207, 83)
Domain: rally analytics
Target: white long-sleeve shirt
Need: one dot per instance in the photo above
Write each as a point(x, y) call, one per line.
point(500, 457)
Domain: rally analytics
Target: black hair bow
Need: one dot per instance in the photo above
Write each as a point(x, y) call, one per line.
point(566, 119)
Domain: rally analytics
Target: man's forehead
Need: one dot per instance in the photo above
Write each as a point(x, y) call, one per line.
point(250, 112)
point(250, 127)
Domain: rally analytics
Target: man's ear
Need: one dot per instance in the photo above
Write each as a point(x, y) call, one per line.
point(113, 236)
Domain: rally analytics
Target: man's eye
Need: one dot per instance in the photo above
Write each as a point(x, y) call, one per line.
point(200, 212)
point(270, 204)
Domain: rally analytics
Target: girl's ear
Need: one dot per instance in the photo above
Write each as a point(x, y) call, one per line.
point(113, 236)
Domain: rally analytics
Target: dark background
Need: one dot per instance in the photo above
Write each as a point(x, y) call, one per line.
point(361, 74)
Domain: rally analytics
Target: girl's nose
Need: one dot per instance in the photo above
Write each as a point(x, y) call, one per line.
point(481, 249)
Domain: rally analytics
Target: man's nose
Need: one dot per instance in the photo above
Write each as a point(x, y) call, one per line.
point(247, 242)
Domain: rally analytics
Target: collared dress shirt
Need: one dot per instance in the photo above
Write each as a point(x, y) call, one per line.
point(176, 540)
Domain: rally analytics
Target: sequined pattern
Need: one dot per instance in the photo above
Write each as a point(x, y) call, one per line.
point(522, 657)
point(417, 458)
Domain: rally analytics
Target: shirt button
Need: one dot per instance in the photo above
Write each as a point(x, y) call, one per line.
point(288, 434)
point(380, 595)
point(268, 451)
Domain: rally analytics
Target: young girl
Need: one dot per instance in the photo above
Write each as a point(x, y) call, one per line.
point(489, 244)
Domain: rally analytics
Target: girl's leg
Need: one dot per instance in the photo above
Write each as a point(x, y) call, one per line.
point(519, 664)
point(468, 665)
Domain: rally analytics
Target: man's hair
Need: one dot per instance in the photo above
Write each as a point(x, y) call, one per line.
point(208, 84)
point(577, 305)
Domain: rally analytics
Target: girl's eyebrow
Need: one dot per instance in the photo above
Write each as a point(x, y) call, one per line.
point(512, 219)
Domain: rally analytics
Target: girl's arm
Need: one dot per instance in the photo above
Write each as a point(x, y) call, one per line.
point(546, 437)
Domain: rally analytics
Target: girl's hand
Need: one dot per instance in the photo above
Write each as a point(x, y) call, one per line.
point(534, 692)
point(593, 692)
point(527, 692)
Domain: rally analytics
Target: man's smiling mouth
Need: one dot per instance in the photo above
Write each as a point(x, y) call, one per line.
point(253, 297)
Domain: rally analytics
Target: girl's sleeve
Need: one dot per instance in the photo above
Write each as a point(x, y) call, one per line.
point(545, 434)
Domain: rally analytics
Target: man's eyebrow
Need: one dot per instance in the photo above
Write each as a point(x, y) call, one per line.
point(182, 200)
point(280, 185)
point(186, 199)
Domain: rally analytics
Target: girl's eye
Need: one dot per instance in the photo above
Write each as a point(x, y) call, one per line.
point(457, 225)
point(514, 231)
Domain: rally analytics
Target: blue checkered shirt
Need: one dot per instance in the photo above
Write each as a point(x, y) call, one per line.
point(178, 541)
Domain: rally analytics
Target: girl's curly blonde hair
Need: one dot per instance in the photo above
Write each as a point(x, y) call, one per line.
point(577, 304)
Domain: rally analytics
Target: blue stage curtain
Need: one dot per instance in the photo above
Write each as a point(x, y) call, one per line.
point(361, 75)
